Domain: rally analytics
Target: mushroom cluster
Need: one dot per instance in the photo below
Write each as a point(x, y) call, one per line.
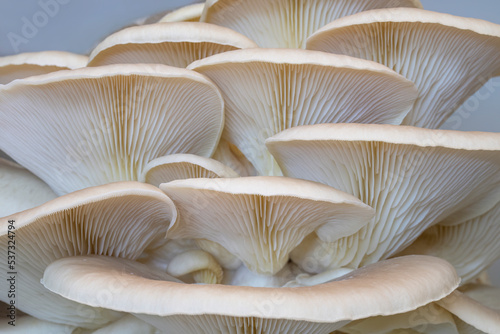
point(266, 166)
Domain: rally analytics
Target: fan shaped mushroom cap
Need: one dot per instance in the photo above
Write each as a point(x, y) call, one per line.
point(189, 13)
point(106, 123)
point(183, 166)
point(412, 177)
point(283, 23)
point(471, 246)
point(261, 219)
point(447, 57)
point(175, 44)
point(269, 90)
point(385, 288)
point(35, 63)
point(122, 219)
point(21, 190)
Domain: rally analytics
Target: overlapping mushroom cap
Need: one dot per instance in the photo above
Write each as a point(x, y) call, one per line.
point(122, 219)
point(174, 44)
point(447, 57)
point(269, 90)
point(261, 219)
point(35, 63)
point(412, 177)
point(183, 166)
point(91, 126)
point(213, 308)
point(284, 23)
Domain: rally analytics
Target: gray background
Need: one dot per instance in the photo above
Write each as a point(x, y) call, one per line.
point(78, 25)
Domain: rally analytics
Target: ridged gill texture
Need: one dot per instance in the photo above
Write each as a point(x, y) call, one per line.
point(286, 23)
point(268, 91)
point(448, 63)
point(410, 187)
point(122, 220)
point(87, 127)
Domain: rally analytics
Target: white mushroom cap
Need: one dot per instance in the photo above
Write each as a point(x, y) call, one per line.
point(447, 57)
point(471, 247)
point(183, 166)
point(388, 287)
point(35, 63)
point(91, 126)
point(189, 13)
point(20, 189)
point(261, 219)
point(175, 44)
point(414, 178)
point(122, 219)
point(284, 23)
point(269, 90)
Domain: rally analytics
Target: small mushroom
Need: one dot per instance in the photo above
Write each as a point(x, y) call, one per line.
point(183, 166)
point(201, 265)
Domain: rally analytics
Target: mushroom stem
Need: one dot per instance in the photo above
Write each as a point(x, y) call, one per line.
point(204, 268)
point(222, 255)
point(324, 277)
point(472, 312)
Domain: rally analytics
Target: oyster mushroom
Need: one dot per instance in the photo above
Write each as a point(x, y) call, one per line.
point(91, 126)
point(269, 90)
point(122, 219)
point(261, 219)
point(447, 57)
point(385, 288)
point(183, 166)
point(414, 178)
